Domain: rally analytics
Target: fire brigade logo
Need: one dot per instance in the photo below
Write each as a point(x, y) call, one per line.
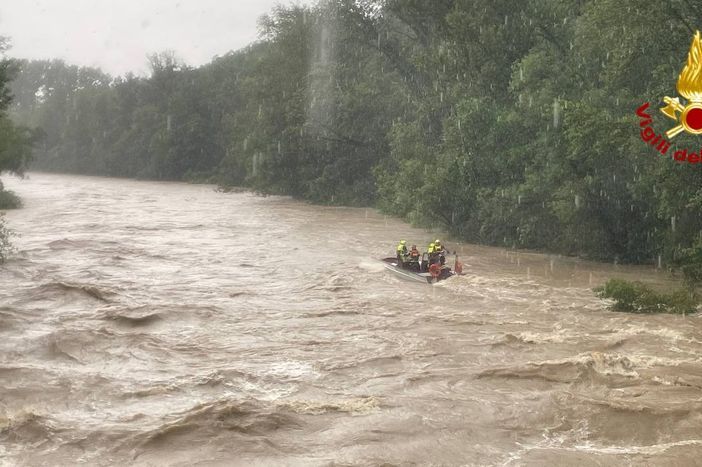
point(688, 117)
point(690, 87)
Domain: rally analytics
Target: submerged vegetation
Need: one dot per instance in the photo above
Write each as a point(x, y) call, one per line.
point(5, 244)
point(9, 200)
point(506, 123)
point(636, 297)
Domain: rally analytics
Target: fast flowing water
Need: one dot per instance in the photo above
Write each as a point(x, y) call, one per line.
point(148, 323)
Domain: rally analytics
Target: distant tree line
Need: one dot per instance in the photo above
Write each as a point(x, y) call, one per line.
point(502, 122)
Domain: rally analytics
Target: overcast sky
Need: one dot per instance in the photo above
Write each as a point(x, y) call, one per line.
point(116, 35)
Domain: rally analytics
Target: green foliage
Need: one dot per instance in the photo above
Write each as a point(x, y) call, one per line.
point(6, 234)
point(689, 261)
point(9, 200)
point(15, 141)
point(636, 297)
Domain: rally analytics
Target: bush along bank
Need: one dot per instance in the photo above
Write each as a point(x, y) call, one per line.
point(636, 297)
point(9, 200)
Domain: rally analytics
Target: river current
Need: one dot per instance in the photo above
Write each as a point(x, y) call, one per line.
point(146, 323)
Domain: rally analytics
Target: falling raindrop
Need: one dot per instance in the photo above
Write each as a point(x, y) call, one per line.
point(577, 201)
point(556, 114)
point(672, 223)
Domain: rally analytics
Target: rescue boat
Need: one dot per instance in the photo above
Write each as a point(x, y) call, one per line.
point(422, 273)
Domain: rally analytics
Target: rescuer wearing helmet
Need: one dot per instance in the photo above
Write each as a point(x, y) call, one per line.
point(437, 246)
point(431, 252)
point(402, 252)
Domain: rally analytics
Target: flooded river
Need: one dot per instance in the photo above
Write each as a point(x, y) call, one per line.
point(147, 323)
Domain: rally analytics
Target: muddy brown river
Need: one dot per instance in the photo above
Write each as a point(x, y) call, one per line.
point(147, 323)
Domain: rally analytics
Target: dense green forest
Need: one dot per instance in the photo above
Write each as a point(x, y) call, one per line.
point(15, 141)
point(502, 122)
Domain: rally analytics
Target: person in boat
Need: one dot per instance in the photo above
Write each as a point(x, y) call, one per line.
point(432, 253)
point(413, 258)
point(402, 253)
point(440, 251)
